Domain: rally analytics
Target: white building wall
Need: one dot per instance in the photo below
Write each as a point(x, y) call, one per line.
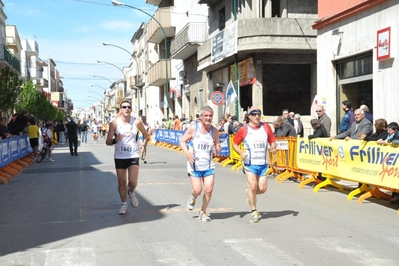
point(359, 35)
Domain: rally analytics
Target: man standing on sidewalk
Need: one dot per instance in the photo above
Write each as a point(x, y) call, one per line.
point(83, 128)
point(127, 152)
point(72, 128)
point(200, 166)
point(256, 137)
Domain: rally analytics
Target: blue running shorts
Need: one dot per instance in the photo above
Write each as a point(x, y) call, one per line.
point(201, 174)
point(259, 170)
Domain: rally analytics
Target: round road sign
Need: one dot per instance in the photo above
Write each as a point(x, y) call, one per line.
point(217, 98)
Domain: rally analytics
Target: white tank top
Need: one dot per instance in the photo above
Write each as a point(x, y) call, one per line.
point(128, 147)
point(202, 145)
point(255, 144)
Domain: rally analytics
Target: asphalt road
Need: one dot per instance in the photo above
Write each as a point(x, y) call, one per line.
point(66, 213)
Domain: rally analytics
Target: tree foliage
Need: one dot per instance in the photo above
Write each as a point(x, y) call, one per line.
point(10, 87)
point(37, 104)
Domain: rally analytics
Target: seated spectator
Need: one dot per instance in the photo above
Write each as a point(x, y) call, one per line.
point(362, 126)
point(276, 127)
point(3, 128)
point(287, 128)
point(381, 132)
point(236, 125)
point(221, 125)
point(298, 125)
point(319, 130)
point(231, 125)
point(392, 134)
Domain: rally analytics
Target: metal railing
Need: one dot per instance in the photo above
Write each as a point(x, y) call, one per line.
point(9, 58)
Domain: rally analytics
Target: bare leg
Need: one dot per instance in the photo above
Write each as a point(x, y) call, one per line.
point(122, 182)
point(209, 182)
point(133, 175)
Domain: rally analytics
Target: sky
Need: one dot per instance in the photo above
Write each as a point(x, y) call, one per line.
point(71, 32)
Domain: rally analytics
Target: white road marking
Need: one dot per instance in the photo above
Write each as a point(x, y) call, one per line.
point(169, 253)
point(355, 252)
point(260, 252)
point(70, 257)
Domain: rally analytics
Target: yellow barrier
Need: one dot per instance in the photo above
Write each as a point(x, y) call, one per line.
point(234, 157)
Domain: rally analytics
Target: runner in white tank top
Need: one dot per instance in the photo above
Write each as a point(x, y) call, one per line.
point(202, 146)
point(123, 133)
point(256, 137)
point(149, 131)
point(205, 141)
point(128, 146)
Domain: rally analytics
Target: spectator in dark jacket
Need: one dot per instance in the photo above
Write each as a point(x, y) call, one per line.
point(20, 123)
point(231, 125)
point(319, 130)
point(381, 126)
point(72, 128)
point(3, 128)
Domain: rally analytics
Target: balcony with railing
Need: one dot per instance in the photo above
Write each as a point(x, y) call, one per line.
point(188, 39)
point(208, 2)
point(31, 47)
point(153, 2)
point(8, 59)
point(286, 35)
point(154, 32)
point(157, 73)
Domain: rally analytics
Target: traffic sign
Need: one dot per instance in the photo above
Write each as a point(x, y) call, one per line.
point(217, 98)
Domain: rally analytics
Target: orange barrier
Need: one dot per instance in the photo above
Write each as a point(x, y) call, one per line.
point(4, 177)
point(14, 168)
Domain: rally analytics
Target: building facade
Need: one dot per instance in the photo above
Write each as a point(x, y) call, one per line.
point(266, 48)
point(356, 57)
point(273, 61)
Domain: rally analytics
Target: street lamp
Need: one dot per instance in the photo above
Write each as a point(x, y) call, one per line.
point(96, 93)
point(105, 90)
point(123, 73)
point(117, 3)
point(110, 44)
point(94, 98)
point(94, 75)
point(138, 72)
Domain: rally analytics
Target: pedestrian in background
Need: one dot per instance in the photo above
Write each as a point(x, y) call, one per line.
point(33, 134)
point(72, 128)
point(147, 128)
point(83, 128)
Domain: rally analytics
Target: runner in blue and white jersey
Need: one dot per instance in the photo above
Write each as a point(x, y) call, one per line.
point(204, 142)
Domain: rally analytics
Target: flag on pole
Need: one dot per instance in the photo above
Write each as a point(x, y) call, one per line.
point(230, 93)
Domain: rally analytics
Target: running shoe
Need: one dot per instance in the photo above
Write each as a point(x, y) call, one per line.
point(133, 200)
point(51, 159)
point(144, 161)
point(203, 217)
point(255, 217)
point(123, 209)
point(191, 203)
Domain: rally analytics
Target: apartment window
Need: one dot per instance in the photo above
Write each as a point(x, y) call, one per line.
point(222, 18)
point(276, 9)
point(354, 67)
point(162, 49)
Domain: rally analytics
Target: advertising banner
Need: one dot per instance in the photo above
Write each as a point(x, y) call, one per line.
point(356, 160)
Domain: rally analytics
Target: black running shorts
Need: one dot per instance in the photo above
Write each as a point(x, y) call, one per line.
point(125, 163)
